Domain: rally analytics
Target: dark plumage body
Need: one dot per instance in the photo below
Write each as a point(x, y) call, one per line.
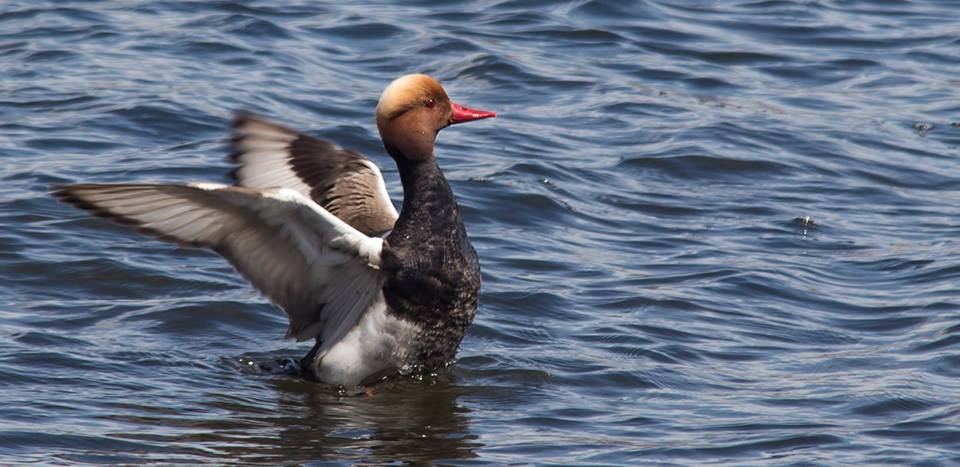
point(433, 274)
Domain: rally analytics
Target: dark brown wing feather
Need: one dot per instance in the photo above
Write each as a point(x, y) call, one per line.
point(341, 181)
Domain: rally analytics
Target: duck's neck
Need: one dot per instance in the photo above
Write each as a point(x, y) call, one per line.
point(422, 180)
point(428, 201)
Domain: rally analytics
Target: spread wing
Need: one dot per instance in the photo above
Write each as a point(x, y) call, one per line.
point(343, 182)
point(321, 271)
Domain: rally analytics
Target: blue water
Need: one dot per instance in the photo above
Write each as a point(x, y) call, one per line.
point(711, 232)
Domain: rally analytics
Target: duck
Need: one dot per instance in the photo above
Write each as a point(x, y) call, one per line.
point(311, 226)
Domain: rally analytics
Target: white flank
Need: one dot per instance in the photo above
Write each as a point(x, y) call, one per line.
point(378, 342)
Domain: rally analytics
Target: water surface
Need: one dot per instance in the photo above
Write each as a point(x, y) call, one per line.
point(711, 232)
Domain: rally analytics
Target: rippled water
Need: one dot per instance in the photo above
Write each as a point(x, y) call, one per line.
point(654, 292)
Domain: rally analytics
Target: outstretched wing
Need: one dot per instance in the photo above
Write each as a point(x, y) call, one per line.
point(343, 182)
point(322, 272)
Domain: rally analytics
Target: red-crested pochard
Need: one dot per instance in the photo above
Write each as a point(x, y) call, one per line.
point(311, 226)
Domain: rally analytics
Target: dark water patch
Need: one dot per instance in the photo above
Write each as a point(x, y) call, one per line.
point(496, 69)
point(449, 46)
point(668, 76)
point(647, 207)
point(608, 11)
point(511, 5)
point(49, 99)
point(49, 56)
point(46, 144)
point(67, 13)
point(241, 25)
point(582, 37)
point(893, 404)
point(662, 34)
point(739, 58)
point(803, 74)
point(157, 120)
point(534, 304)
point(705, 167)
point(119, 279)
point(359, 31)
point(59, 32)
point(946, 365)
point(945, 342)
point(906, 177)
point(782, 32)
point(512, 19)
point(454, 16)
point(53, 441)
point(708, 84)
point(38, 339)
point(260, 10)
point(924, 57)
point(881, 324)
point(667, 334)
point(752, 447)
point(50, 360)
point(206, 318)
point(538, 210)
point(902, 147)
point(211, 49)
point(942, 436)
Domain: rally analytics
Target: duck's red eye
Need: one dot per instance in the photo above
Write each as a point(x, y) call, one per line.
point(430, 103)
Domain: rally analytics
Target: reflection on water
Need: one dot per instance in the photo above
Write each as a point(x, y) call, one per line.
point(414, 420)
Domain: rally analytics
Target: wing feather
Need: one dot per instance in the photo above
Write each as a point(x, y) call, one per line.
point(343, 182)
point(321, 271)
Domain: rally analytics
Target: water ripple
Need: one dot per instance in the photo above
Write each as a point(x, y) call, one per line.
point(710, 232)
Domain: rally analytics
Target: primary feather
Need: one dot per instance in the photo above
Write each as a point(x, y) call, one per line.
point(321, 271)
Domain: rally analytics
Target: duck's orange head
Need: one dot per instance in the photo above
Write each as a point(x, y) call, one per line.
point(412, 110)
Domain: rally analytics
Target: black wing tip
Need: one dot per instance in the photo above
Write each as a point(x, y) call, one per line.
point(67, 194)
point(241, 117)
point(60, 191)
point(234, 173)
point(64, 195)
